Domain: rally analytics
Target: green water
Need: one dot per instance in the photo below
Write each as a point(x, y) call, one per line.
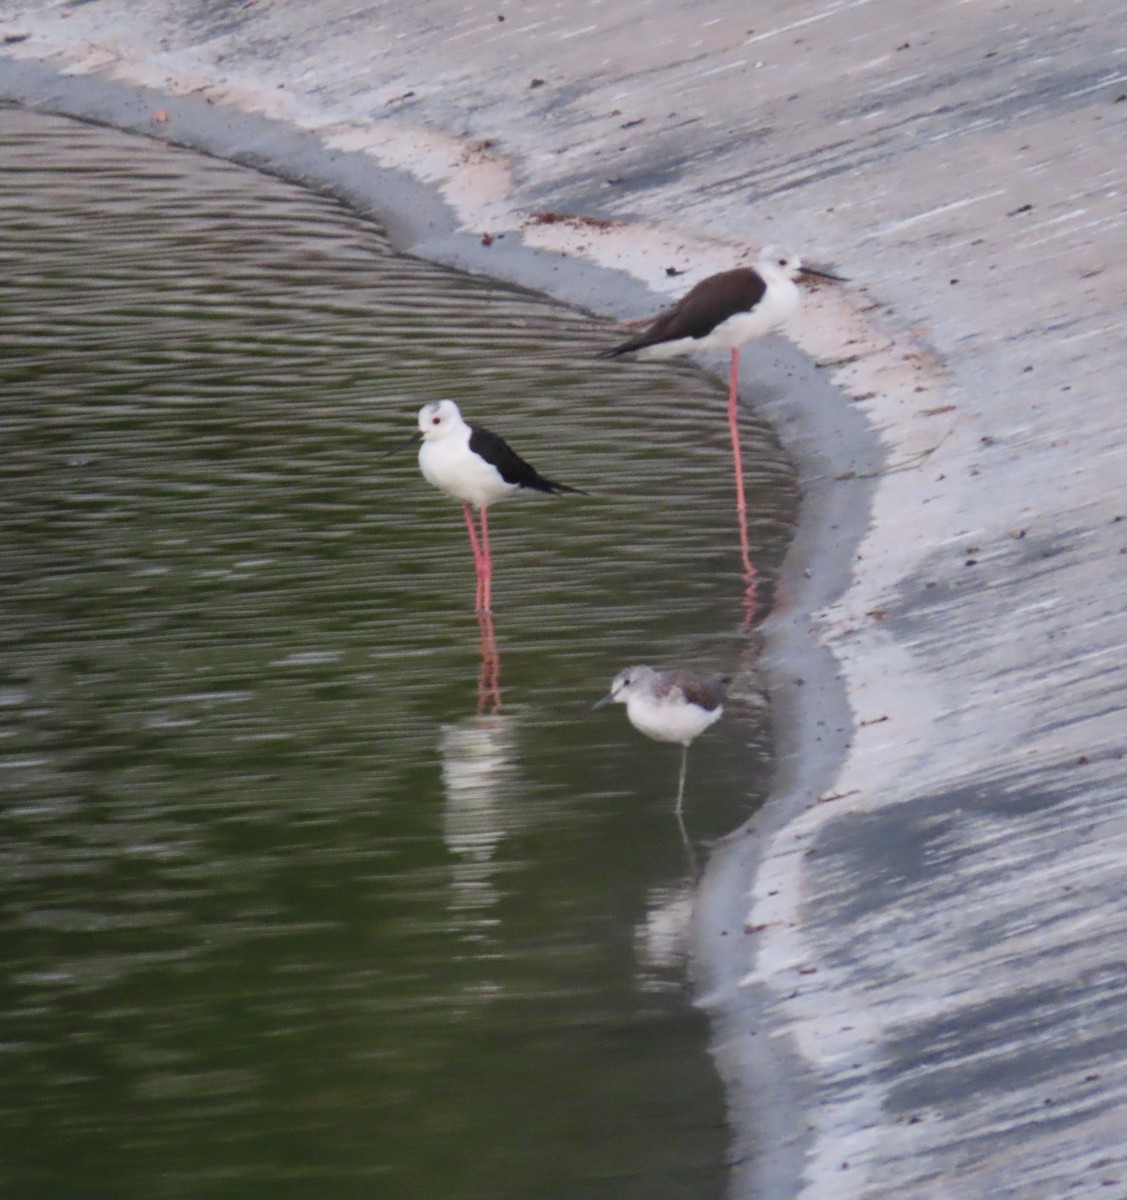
point(283, 914)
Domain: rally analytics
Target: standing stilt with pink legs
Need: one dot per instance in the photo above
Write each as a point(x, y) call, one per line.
point(726, 311)
point(479, 468)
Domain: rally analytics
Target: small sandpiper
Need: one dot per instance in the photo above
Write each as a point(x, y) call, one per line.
point(669, 706)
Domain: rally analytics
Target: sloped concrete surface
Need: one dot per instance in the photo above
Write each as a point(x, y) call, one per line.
point(917, 957)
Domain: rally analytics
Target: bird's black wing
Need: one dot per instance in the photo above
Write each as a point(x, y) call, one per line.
point(511, 467)
point(700, 310)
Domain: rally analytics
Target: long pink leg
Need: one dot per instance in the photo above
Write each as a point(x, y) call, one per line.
point(487, 560)
point(489, 673)
point(467, 512)
point(751, 579)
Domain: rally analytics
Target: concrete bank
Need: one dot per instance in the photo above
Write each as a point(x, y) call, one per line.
point(917, 960)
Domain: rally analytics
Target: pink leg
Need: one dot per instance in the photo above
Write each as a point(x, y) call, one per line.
point(467, 512)
point(487, 561)
point(751, 581)
point(489, 673)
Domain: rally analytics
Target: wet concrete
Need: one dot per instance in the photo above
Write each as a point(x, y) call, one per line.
point(916, 961)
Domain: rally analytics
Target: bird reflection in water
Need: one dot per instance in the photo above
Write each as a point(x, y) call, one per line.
point(661, 938)
point(481, 786)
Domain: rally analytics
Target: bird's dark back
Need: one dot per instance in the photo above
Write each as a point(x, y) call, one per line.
point(708, 693)
point(702, 308)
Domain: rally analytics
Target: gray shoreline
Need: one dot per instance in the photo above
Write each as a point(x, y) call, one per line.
point(812, 728)
point(936, 984)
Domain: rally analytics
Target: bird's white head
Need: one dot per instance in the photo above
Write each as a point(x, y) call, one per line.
point(439, 419)
point(626, 683)
point(774, 260)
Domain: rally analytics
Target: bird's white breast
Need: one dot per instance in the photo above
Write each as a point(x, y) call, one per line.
point(778, 305)
point(449, 465)
point(669, 719)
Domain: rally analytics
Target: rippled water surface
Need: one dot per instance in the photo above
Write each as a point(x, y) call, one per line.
point(284, 914)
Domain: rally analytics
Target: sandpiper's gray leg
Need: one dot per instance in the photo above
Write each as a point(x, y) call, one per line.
point(681, 782)
point(680, 819)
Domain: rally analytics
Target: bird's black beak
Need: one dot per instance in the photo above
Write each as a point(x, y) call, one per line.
point(605, 700)
point(820, 274)
point(413, 440)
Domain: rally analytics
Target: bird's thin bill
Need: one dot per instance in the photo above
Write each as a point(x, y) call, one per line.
point(822, 274)
point(605, 700)
point(413, 440)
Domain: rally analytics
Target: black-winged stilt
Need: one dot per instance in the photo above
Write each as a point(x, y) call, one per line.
point(669, 706)
point(725, 311)
point(477, 467)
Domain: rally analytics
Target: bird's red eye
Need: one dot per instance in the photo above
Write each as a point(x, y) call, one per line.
point(436, 420)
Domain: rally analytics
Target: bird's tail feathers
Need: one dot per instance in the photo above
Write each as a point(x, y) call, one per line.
point(554, 488)
point(625, 348)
